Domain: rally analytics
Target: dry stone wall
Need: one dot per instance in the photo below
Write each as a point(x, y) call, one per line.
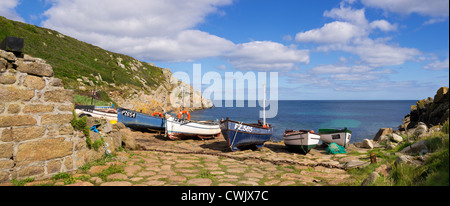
point(36, 137)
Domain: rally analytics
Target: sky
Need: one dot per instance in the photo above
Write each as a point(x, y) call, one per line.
point(322, 50)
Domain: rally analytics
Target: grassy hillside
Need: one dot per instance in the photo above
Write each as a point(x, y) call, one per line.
point(72, 59)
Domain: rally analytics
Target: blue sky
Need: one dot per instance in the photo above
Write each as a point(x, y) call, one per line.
point(349, 49)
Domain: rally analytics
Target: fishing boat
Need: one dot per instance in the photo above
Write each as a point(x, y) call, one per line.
point(339, 136)
point(302, 140)
point(184, 128)
point(91, 111)
point(141, 121)
point(241, 135)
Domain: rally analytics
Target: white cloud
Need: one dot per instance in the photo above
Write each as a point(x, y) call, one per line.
point(348, 14)
point(7, 10)
point(383, 25)
point(334, 32)
point(266, 55)
point(379, 54)
point(162, 30)
point(351, 34)
point(333, 69)
point(159, 30)
point(433, 8)
point(438, 65)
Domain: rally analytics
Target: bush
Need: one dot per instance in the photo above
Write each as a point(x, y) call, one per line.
point(445, 127)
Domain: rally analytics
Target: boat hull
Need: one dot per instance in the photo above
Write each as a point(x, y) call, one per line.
point(97, 114)
point(242, 136)
point(301, 142)
point(186, 129)
point(340, 137)
point(140, 121)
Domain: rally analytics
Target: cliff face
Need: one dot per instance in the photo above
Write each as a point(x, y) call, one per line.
point(83, 67)
point(431, 111)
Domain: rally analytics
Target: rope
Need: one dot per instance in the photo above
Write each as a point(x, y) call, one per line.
point(234, 138)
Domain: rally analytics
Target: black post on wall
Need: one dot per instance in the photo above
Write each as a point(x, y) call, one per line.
point(13, 44)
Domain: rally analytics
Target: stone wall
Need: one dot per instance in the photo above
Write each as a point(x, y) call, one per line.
point(36, 137)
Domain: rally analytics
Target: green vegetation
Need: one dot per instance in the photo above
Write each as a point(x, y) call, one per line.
point(72, 59)
point(84, 100)
point(433, 172)
point(80, 124)
point(16, 182)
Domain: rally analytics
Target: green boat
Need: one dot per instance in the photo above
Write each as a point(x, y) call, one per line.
point(339, 136)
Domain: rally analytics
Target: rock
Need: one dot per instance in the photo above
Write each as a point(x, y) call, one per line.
point(15, 134)
point(11, 94)
point(107, 127)
point(17, 120)
point(440, 95)
point(420, 129)
point(37, 68)
point(131, 170)
point(59, 96)
point(34, 82)
point(7, 78)
point(7, 55)
point(128, 139)
point(3, 65)
point(117, 176)
point(406, 159)
point(396, 138)
point(390, 145)
point(57, 119)
point(43, 149)
point(383, 169)
point(382, 132)
point(97, 169)
point(367, 144)
point(81, 184)
point(371, 179)
point(356, 164)
point(416, 148)
point(118, 183)
point(200, 182)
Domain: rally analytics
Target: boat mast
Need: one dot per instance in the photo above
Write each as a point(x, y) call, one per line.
point(264, 105)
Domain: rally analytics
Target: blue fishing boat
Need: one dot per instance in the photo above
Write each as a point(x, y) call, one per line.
point(241, 135)
point(140, 121)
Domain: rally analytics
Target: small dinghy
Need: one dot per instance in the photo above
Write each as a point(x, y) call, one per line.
point(339, 136)
point(300, 141)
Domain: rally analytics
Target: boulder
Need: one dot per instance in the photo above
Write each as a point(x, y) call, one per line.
point(407, 159)
point(382, 132)
point(356, 164)
point(416, 148)
point(128, 139)
point(420, 129)
point(367, 144)
point(440, 96)
point(371, 179)
point(396, 138)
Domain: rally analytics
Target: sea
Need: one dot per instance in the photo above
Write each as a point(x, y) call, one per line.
point(363, 117)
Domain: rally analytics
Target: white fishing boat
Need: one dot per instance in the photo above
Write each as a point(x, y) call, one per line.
point(302, 141)
point(178, 128)
point(108, 114)
point(339, 136)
